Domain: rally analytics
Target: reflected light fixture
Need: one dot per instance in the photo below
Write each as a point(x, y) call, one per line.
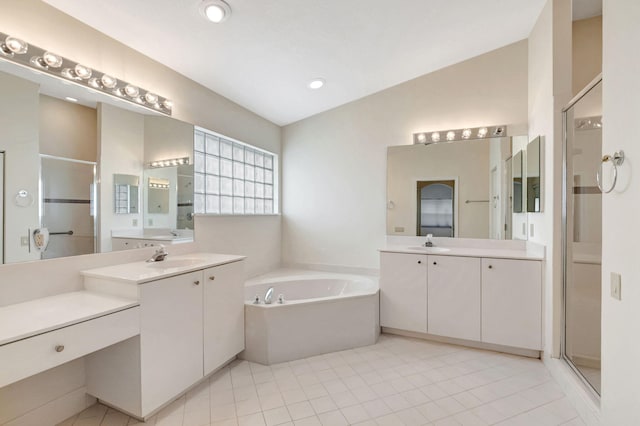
point(18, 51)
point(70, 99)
point(427, 138)
point(216, 11)
point(316, 83)
point(184, 161)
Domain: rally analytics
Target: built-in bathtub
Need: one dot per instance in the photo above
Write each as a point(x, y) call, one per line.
point(322, 312)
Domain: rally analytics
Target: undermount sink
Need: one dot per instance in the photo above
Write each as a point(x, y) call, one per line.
point(430, 249)
point(174, 263)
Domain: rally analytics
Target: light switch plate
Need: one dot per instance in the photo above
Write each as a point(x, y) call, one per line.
point(616, 286)
point(398, 229)
point(24, 241)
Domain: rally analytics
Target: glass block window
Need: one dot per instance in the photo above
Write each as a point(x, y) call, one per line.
point(232, 177)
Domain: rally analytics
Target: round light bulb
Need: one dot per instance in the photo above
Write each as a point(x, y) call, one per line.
point(451, 135)
point(316, 83)
point(466, 133)
point(422, 138)
point(151, 98)
point(93, 82)
point(168, 104)
point(131, 91)
point(108, 81)
point(52, 60)
point(16, 45)
point(483, 132)
point(435, 136)
point(214, 13)
point(83, 72)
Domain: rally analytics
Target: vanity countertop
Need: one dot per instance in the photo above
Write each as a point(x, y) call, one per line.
point(142, 272)
point(38, 316)
point(494, 253)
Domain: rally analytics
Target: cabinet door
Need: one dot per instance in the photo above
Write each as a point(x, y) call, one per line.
point(170, 337)
point(453, 297)
point(403, 291)
point(223, 314)
point(512, 303)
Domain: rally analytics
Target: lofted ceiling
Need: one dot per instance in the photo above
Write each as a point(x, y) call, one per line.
point(266, 53)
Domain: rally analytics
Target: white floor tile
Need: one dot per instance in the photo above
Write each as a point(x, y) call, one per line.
point(300, 410)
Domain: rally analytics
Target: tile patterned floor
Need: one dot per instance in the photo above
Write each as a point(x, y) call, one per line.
point(398, 381)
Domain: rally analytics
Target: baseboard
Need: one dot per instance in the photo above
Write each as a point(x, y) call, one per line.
point(583, 398)
point(586, 361)
point(461, 342)
point(55, 411)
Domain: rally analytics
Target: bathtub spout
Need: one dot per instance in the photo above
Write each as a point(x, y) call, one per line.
point(268, 297)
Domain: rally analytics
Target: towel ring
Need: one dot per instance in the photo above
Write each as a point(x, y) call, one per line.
point(616, 160)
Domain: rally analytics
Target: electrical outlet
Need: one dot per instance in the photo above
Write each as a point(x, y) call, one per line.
point(398, 229)
point(531, 229)
point(134, 222)
point(150, 222)
point(616, 286)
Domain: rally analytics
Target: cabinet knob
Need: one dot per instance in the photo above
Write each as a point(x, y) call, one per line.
point(419, 261)
point(435, 263)
point(490, 266)
point(212, 277)
point(196, 282)
point(59, 348)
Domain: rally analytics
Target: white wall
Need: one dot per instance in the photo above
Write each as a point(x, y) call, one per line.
point(621, 228)
point(335, 162)
point(549, 91)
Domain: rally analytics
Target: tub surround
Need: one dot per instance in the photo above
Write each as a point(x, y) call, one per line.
point(323, 312)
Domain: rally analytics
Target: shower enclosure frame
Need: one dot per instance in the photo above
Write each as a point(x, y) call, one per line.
point(565, 134)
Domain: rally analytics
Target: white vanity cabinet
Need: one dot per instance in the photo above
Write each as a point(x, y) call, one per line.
point(223, 314)
point(497, 301)
point(403, 291)
point(191, 323)
point(512, 303)
point(453, 297)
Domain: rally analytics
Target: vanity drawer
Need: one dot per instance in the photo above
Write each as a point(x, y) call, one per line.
point(35, 354)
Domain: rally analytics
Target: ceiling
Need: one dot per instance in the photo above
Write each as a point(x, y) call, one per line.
point(265, 54)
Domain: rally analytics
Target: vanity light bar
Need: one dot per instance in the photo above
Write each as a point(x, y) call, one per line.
point(426, 138)
point(170, 163)
point(159, 185)
point(19, 52)
point(588, 123)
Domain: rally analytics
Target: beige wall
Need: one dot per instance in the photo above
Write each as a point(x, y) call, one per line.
point(620, 225)
point(19, 141)
point(335, 162)
point(41, 400)
point(67, 130)
point(587, 51)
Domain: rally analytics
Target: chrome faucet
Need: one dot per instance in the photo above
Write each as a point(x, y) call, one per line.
point(174, 233)
point(429, 242)
point(159, 255)
point(268, 297)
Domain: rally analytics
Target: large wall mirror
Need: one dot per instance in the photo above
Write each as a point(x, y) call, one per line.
point(77, 165)
point(454, 189)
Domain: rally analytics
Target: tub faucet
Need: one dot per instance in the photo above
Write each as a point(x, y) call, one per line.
point(268, 297)
point(429, 242)
point(159, 255)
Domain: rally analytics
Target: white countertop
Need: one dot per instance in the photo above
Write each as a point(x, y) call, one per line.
point(175, 238)
point(39, 316)
point(498, 253)
point(143, 272)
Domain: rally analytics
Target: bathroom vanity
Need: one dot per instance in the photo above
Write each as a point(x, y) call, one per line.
point(473, 295)
point(191, 321)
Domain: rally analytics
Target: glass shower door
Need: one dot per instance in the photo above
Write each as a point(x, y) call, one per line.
point(582, 204)
point(67, 206)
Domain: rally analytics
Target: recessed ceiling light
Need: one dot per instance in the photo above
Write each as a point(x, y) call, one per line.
point(70, 99)
point(215, 11)
point(316, 83)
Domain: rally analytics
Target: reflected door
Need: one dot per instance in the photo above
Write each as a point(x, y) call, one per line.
point(583, 237)
point(435, 208)
point(67, 206)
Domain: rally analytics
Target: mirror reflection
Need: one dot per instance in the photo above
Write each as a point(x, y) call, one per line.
point(533, 176)
point(518, 188)
point(455, 189)
point(74, 169)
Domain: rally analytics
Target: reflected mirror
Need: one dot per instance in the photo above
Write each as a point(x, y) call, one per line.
point(533, 176)
point(50, 134)
point(453, 189)
point(125, 191)
point(518, 187)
